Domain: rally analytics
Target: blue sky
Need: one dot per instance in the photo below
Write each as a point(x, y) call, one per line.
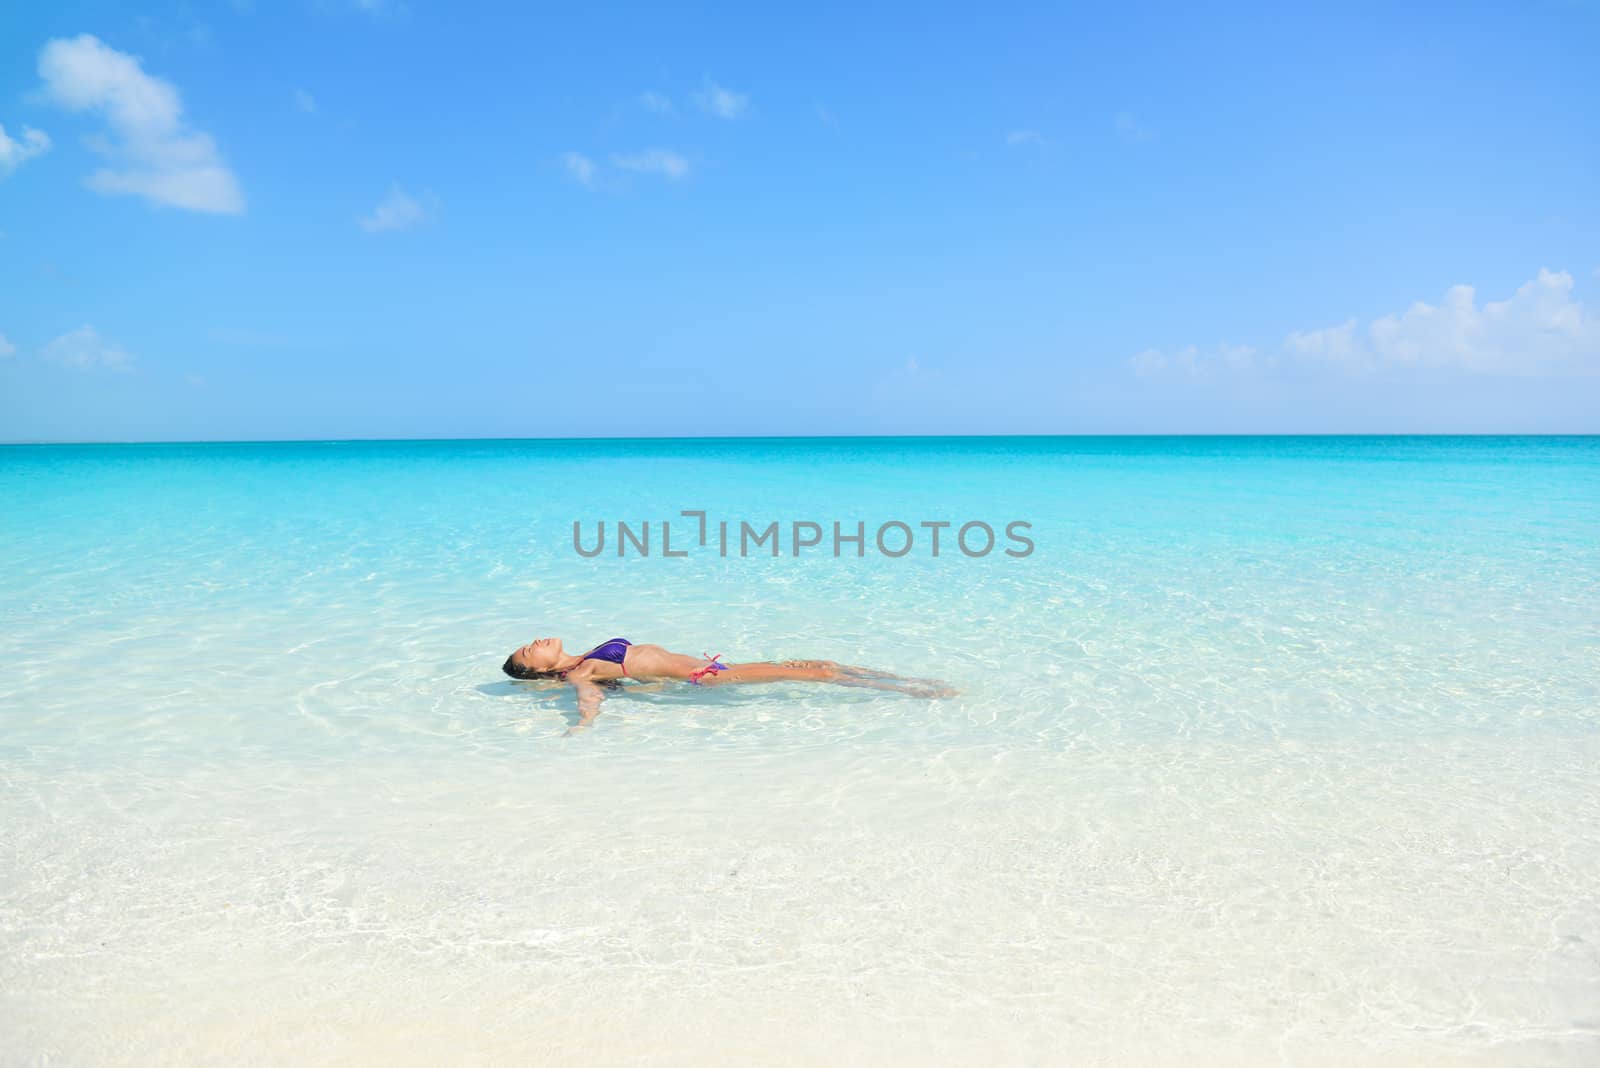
point(329, 218)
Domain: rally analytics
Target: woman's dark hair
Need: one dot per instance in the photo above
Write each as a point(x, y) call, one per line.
point(527, 673)
point(555, 676)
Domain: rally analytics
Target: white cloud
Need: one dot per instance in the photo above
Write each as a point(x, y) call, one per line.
point(14, 154)
point(1130, 129)
point(1148, 363)
point(397, 211)
point(581, 167)
point(1540, 330)
point(305, 101)
point(655, 102)
point(84, 349)
point(1193, 362)
point(723, 103)
point(1186, 361)
point(655, 161)
point(1239, 357)
point(1334, 344)
point(6, 347)
point(1024, 137)
point(159, 156)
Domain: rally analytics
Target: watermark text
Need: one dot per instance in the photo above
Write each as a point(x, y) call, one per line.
point(697, 533)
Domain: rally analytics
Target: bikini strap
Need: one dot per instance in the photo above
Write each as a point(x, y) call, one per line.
point(711, 668)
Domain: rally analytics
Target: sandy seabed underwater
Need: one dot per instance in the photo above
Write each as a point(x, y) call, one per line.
point(1273, 751)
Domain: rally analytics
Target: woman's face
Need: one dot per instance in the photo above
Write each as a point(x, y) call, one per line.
point(541, 654)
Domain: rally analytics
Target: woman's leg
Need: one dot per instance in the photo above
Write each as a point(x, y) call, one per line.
point(789, 671)
point(827, 671)
point(852, 675)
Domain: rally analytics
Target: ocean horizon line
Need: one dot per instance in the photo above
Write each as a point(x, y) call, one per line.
point(1372, 435)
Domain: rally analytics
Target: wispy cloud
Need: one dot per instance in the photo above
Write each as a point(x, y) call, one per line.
point(826, 117)
point(1193, 362)
point(656, 103)
point(84, 349)
point(397, 211)
point(580, 167)
point(724, 103)
point(1019, 138)
point(305, 101)
point(655, 161)
point(14, 153)
point(6, 347)
point(1130, 130)
point(158, 155)
point(1541, 330)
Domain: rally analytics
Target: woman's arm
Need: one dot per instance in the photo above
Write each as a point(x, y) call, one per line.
point(589, 693)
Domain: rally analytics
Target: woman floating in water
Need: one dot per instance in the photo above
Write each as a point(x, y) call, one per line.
point(544, 658)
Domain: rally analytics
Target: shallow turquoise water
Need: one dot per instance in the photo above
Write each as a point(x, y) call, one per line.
point(1273, 748)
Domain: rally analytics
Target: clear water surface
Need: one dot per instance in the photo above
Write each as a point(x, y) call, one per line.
point(1274, 750)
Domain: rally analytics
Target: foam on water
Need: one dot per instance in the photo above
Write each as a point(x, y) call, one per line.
point(1274, 750)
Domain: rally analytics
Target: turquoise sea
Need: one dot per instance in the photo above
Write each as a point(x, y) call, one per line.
point(1271, 751)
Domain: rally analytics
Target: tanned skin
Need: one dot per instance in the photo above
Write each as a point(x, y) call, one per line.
point(652, 663)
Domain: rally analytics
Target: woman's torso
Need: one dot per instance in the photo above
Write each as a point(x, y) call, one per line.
point(618, 657)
